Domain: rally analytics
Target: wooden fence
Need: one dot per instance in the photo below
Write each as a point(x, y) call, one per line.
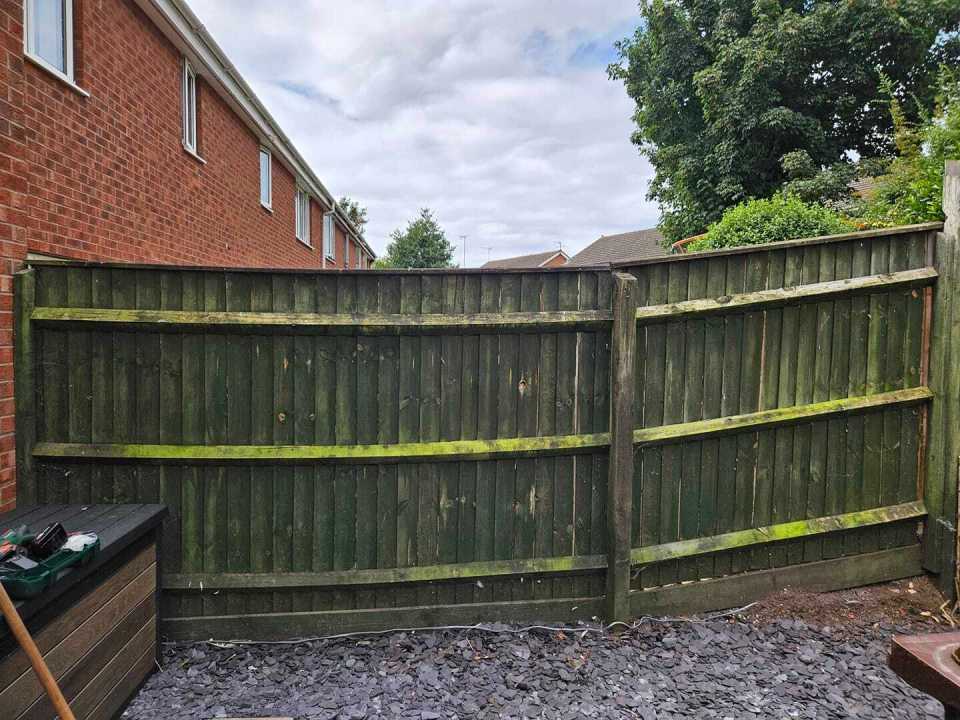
point(367, 450)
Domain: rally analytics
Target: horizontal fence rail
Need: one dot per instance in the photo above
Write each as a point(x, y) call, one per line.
point(548, 566)
point(479, 449)
point(379, 324)
point(354, 323)
point(816, 292)
point(347, 451)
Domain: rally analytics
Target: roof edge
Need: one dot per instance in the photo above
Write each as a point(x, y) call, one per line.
point(561, 252)
point(181, 26)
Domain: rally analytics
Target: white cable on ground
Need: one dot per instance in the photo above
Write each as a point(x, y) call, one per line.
point(583, 630)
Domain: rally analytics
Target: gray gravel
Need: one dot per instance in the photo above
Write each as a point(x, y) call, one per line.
point(713, 669)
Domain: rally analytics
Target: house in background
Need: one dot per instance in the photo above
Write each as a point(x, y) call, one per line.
point(126, 135)
point(550, 259)
point(636, 245)
point(131, 137)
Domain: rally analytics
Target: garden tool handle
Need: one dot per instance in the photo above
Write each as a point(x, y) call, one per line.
point(22, 635)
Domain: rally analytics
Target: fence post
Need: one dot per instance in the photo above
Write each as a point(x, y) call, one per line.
point(940, 483)
point(623, 352)
point(25, 395)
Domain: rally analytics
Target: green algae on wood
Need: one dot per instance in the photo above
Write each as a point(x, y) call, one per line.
point(777, 533)
point(883, 282)
point(199, 582)
point(441, 451)
point(780, 416)
point(348, 322)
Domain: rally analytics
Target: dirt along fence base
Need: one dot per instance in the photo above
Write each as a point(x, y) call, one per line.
point(357, 451)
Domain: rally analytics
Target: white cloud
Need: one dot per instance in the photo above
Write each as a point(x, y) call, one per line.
point(499, 116)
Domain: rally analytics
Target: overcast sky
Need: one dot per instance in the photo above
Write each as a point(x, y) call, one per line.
point(497, 115)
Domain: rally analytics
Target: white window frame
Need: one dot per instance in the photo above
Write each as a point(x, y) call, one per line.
point(31, 51)
point(346, 250)
point(301, 209)
point(188, 107)
point(329, 236)
point(268, 186)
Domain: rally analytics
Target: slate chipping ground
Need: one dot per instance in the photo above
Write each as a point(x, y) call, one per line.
point(741, 668)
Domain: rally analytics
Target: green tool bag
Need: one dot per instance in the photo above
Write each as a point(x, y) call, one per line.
point(26, 584)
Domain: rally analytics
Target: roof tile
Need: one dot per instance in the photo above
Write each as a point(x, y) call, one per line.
point(636, 245)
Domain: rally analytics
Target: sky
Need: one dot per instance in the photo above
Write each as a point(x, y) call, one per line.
point(499, 116)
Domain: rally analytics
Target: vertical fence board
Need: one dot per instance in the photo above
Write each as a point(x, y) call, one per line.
point(565, 424)
point(282, 422)
point(772, 321)
point(651, 480)
point(836, 471)
point(822, 364)
point(730, 405)
point(873, 423)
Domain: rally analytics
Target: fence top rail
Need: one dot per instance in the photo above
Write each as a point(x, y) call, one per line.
point(686, 257)
point(746, 249)
point(94, 265)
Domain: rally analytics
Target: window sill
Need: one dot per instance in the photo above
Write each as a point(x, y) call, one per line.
point(47, 68)
point(304, 242)
point(193, 153)
point(267, 208)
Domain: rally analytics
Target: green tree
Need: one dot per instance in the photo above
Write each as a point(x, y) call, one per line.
point(724, 89)
point(912, 190)
point(817, 185)
point(355, 211)
point(422, 245)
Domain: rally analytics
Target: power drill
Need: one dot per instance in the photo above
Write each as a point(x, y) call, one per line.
point(12, 542)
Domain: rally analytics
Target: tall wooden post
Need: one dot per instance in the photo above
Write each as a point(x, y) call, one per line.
point(25, 395)
point(623, 352)
point(943, 464)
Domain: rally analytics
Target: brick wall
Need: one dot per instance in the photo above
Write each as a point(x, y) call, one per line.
point(13, 243)
point(105, 177)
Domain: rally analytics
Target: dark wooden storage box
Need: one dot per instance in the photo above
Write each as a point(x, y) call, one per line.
point(97, 625)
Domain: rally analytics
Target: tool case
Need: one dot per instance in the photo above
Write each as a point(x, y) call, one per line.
point(26, 584)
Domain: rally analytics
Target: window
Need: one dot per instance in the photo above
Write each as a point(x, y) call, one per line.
point(328, 235)
point(189, 107)
point(266, 179)
point(346, 251)
point(302, 209)
point(48, 35)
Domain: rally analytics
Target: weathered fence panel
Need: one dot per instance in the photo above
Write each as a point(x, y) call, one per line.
point(399, 449)
point(851, 332)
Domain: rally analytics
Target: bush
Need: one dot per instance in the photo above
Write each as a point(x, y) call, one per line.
point(912, 190)
point(764, 221)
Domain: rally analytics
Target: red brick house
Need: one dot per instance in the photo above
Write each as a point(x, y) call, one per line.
point(126, 135)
